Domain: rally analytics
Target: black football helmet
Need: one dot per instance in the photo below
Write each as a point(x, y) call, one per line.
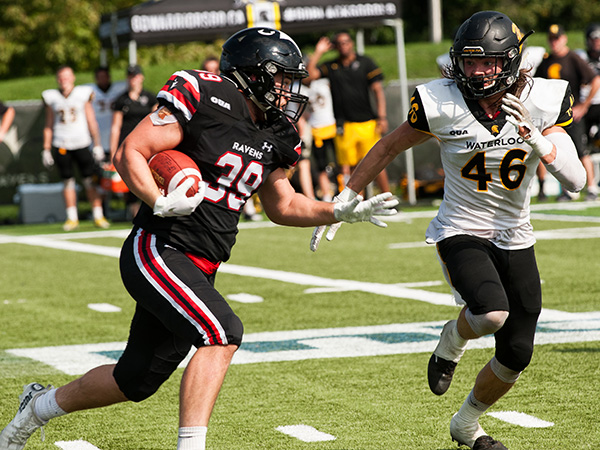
point(487, 34)
point(252, 57)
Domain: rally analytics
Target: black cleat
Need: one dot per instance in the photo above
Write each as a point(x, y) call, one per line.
point(439, 374)
point(488, 443)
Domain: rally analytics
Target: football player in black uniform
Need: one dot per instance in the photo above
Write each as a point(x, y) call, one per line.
point(238, 129)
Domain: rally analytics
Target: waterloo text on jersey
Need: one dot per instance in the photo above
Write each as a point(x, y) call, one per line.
point(494, 143)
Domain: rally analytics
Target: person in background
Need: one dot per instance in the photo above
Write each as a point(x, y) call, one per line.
point(353, 78)
point(69, 131)
point(211, 64)
point(7, 117)
point(242, 144)
point(562, 63)
point(128, 110)
point(509, 122)
point(321, 120)
point(105, 93)
point(592, 56)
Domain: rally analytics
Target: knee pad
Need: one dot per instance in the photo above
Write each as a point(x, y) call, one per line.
point(488, 323)
point(504, 373)
point(69, 183)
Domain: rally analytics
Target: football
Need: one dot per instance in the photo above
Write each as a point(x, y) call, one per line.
point(170, 168)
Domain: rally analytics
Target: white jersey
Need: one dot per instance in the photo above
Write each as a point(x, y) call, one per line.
point(70, 129)
point(102, 103)
point(320, 104)
point(488, 167)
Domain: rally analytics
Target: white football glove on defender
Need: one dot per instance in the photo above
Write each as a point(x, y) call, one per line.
point(356, 210)
point(345, 196)
point(47, 159)
point(177, 203)
point(520, 117)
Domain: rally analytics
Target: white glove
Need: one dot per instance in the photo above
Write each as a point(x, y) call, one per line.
point(345, 196)
point(520, 118)
point(177, 203)
point(358, 210)
point(98, 152)
point(47, 159)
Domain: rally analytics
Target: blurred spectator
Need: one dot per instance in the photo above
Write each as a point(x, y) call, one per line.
point(562, 63)
point(128, 110)
point(69, 130)
point(321, 120)
point(353, 78)
point(105, 94)
point(211, 64)
point(7, 116)
point(592, 56)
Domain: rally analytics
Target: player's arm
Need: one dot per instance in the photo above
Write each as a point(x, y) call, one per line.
point(286, 207)
point(115, 132)
point(131, 158)
point(382, 122)
point(322, 47)
point(383, 153)
point(7, 119)
point(553, 145)
point(48, 125)
point(90, 117)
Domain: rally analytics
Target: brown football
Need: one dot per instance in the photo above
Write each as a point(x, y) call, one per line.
point(170, 168)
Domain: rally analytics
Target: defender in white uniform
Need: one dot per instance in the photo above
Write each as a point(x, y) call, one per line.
point(69, 131)
point(494, 123)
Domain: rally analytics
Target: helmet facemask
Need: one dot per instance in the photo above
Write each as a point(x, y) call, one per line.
point(482, 86)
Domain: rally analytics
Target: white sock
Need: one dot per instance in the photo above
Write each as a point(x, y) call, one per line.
point(97, 212)
point(472, 409)
point(46, 408)
point(457, 338)
point(72, 213)
point(192, 438)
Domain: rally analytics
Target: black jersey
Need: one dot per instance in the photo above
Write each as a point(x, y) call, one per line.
point(133, 110)
point(350, 88)
point(234, 156)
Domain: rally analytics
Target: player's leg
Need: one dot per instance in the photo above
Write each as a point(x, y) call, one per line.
point(368, 137)
point(87, 168)
point(197, 313)
point(514, 348)
point(64, 163)
point(468, 265)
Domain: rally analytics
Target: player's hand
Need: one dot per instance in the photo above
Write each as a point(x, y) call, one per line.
point(346, 195)
point(518, 115)
point(177, 203)
point(47, 159)
point(98, 152)
point(359, 210)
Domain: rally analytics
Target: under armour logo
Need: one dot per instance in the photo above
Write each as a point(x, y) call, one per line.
point(267, 147)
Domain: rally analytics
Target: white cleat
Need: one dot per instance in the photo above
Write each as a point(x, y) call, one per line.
point(15, 434)
point(465, 433)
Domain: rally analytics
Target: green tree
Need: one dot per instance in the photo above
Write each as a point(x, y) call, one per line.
point(37, 36)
